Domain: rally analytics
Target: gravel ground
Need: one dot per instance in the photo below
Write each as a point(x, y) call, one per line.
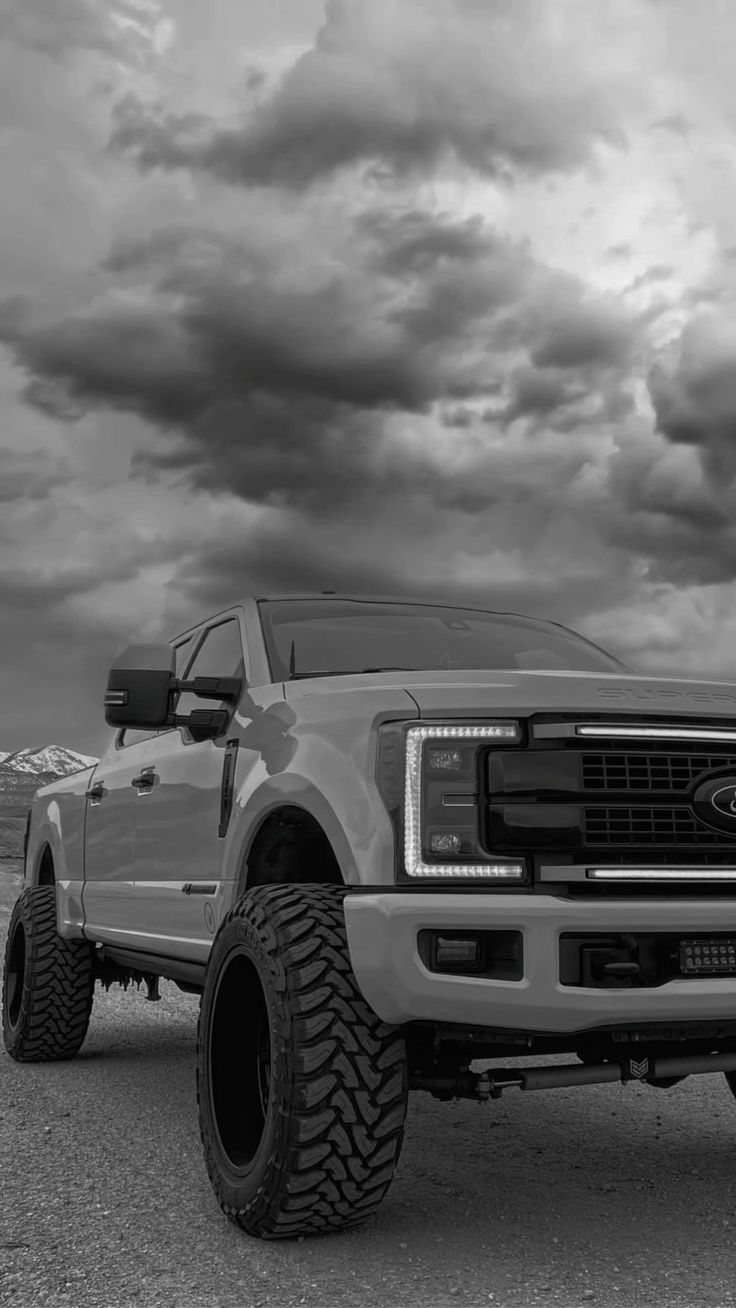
point(602, 1196)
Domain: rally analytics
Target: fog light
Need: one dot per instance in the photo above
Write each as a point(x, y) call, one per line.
point(445, 842)
point(455, 949)
point(497, 955)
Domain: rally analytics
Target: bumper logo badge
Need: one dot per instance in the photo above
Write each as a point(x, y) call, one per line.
point(638, 1068)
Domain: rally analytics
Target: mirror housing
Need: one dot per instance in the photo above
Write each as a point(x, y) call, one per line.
point(139, 688)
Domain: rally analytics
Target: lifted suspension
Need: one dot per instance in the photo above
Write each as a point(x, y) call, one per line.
point(466, 1084)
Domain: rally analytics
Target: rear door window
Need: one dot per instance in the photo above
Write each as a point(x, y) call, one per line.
point(219, 655)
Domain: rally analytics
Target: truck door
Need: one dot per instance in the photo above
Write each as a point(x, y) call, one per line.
point(118, 788)
point(179, 849)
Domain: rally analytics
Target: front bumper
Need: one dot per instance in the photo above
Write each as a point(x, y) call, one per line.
point(382, 932)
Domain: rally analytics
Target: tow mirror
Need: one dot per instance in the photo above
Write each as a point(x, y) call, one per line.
point(139, 688)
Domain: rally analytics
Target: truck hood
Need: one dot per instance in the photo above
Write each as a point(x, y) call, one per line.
point(441, 694)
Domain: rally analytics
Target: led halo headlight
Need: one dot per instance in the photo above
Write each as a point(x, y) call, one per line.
point(508, 731)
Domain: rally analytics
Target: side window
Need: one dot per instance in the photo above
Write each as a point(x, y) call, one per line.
point(183, 653)
point(219, 655)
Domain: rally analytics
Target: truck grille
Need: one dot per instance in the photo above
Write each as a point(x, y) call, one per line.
point(632, 802)
point(661, 826)
point(667, 773)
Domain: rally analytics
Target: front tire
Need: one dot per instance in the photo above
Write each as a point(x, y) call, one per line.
point(48, 983)
point(302, 1089)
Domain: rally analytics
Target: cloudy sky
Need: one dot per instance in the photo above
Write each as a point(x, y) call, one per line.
point(392, 296)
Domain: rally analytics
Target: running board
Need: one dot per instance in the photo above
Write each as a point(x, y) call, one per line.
point(491, 1084)
point(139, 961)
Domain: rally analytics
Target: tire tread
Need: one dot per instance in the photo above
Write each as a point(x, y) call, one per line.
point(341, 1123)
point(58, 985)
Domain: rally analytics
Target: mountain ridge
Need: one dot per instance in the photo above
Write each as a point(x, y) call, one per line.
point(22, 771)
point(46, 758)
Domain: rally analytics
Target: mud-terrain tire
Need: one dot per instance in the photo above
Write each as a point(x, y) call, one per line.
point(48, 983)
point(302, 1089)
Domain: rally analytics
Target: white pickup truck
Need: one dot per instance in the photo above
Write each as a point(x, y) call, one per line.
point(385, 841)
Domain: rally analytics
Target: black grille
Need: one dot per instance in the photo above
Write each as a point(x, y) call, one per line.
point(639, 827)
point(668, 773)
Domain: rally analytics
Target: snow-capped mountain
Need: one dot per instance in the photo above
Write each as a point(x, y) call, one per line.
point(21, 773)
point(47, 758)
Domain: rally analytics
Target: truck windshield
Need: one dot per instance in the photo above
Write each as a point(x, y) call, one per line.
point(313, 637)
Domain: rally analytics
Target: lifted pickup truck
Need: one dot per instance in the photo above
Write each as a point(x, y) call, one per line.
point(386, 841)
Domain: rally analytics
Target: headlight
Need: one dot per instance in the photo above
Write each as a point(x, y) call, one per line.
point(441, 827)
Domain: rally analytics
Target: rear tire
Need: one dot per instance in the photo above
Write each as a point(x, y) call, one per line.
point(48, 983)
point(302, 1089)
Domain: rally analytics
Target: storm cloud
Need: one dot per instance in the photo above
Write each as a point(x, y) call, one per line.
point(59, 28)
point(412, 300)
point(402, 87)
point(284, 388)
point(694, 393)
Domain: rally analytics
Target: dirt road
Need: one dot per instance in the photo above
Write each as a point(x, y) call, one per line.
point(601, 1196)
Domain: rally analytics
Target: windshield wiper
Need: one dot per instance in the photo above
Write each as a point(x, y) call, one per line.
point(347, 672)
point(396, 668)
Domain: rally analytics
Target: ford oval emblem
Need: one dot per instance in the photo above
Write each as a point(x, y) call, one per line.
point(724, 801)
point(714, 802)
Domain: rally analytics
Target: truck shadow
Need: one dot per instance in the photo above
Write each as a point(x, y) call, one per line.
point(613, 1173)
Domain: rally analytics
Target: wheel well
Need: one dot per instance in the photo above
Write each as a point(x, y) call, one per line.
point(291, 848)
point(46, 876)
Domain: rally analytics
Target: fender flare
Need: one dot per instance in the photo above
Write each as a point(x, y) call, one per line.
point(296, 792)
point(48, 836)
point(69, 913)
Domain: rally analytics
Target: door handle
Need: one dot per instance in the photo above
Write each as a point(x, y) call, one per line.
point(96, 792)
point(145, 781)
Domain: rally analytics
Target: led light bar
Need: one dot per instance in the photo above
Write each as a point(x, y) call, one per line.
point(413, 862)
point(661, 873)
point(656, 733)
point(708, 956)
point(485, 731)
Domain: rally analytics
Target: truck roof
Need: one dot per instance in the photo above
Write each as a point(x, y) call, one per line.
point(444, 603)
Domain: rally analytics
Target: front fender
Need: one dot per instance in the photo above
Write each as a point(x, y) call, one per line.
point(328, 769)
point(349, 810)
point(57, 823)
